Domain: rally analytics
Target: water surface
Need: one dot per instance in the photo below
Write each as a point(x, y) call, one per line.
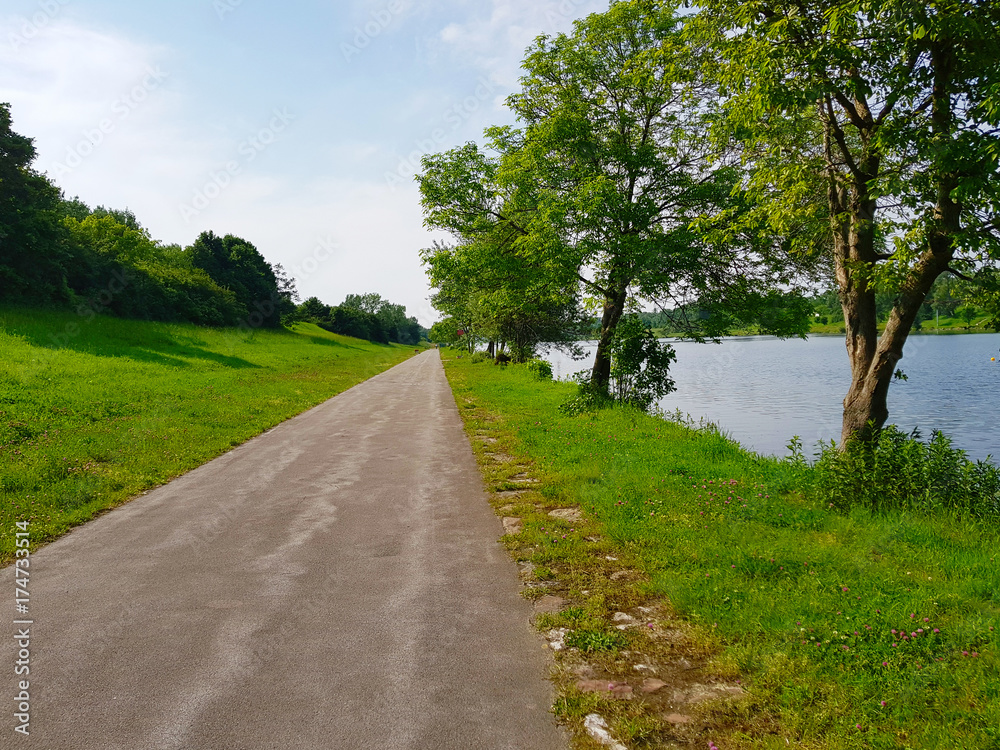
point(762, 390)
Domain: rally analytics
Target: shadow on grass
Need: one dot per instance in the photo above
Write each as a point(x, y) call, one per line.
point(179, 356)
point(114, 337)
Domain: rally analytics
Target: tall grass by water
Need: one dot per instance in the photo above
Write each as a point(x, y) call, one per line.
point(95, 412)
point(849, 626)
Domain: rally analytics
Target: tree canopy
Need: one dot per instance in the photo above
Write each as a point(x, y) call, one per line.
point(600, 191)
point(893, 108)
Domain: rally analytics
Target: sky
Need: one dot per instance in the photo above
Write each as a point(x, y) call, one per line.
point(298, 125)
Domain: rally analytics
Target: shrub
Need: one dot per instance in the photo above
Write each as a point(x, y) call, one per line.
point(639, 364)
point(540, 369)
point(587, 399)
point(896, 471)
point(480, 357)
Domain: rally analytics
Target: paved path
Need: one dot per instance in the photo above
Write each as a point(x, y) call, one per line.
point(333, 584)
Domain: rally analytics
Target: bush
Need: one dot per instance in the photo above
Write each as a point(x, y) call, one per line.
point(480, 357)
point(639, 364)
point(896, 471)
point(587, 399)
point(540, 369)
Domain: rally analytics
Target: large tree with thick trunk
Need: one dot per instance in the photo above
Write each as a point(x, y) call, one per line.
point(894, 106)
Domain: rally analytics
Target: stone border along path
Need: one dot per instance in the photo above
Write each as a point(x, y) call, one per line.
point(667, 676)
point(333, 583)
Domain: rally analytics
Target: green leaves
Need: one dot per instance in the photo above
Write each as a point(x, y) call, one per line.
point(639, 364)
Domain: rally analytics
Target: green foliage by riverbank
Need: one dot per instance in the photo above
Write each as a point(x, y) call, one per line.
point(122, 406)
point(845, 629)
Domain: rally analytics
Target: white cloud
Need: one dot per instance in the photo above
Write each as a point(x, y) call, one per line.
point(495, 39)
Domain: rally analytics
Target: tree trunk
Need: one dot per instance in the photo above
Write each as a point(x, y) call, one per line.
point(865, 405)
point(614, 306)
point(873, 358)
point(852, 212)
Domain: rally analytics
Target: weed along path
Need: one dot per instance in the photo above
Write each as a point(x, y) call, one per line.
point(334, 583)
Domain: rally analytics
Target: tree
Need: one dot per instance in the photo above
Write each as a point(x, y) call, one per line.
point(314, 311)
point(33, 249)
point(968, 314)
point(639, 364)
point(369, 303)
point(288, 295)
point(235, 264)
point(608, 176)
point(352, 321)
point(895, 108)
point(444, 332)
point(502, 297)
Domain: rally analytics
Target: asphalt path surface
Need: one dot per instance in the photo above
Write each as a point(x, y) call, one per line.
point(334, 583)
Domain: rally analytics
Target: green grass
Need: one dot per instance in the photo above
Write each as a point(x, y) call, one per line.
point(122, 406)
point(797, 601)
point(943, 326)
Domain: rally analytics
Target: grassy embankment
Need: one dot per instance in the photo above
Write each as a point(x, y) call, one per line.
point(824, 630)
point(122, 406)
point(942, 326)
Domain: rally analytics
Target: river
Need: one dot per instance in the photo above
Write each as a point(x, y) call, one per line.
point(762, 390)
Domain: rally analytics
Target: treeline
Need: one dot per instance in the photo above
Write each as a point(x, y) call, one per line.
point(949, 297)
point(55, 251)
point(364, 316)
point(59, 252)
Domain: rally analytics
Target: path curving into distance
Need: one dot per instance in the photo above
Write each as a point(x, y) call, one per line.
point(332, 584)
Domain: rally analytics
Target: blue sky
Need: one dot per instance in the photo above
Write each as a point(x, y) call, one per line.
point(297, 125)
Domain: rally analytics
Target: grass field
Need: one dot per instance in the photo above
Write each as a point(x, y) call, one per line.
point(834, 631)
point(95, 412)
